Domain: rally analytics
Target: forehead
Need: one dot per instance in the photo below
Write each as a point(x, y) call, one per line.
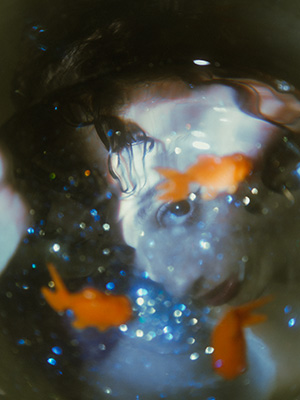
point(203, 119)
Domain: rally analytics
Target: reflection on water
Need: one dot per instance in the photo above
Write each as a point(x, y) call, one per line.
point(172, 182)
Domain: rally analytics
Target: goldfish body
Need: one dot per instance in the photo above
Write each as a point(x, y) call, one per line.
point(91, 307)
point(214, 174)
point(228, 340)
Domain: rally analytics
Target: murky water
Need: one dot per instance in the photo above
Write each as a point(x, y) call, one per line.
point(156, 159)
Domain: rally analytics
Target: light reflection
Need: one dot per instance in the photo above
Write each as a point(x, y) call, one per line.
point(201, 145)
point(201, 63)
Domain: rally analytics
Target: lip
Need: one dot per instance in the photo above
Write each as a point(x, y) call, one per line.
point(222, 293)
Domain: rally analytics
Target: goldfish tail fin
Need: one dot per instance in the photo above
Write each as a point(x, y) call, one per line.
point(176, 186)
point(253, 305)
point(253, 320)
point(58, 300)
point(244, 312)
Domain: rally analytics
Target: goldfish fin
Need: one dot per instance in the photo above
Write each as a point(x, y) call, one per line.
point(176, 187)
point(168, 173)
point(253, 320)
point(253, 305)
point(59, 284)
point(58, 299)
point(78, 324)
point(244, 311)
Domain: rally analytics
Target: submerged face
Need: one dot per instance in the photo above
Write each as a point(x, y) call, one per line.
point(207, 246)
point(141, 171)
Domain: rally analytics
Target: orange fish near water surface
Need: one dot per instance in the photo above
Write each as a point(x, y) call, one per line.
point(214, 174)
point(228, 340)
point(91, 307)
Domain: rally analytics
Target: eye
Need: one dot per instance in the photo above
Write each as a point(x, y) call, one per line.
point(175, 214)
point(281, 169)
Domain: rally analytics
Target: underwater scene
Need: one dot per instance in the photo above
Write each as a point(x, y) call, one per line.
point(150, 204)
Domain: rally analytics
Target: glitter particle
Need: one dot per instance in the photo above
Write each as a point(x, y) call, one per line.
point(287, 309)
point(191, 340)
point(193, 321)
point(110, 286)
point(194, 356)
point(140, 301)
point(56, 247)
point(139, 333)
point(209, 350)
point(177, 313)
point(142, 292)
point(123, 328)
point(106, 227)
point(204, 244)
point(51, 361)
point(292, 322)
point(57, 350)
point(246, 200)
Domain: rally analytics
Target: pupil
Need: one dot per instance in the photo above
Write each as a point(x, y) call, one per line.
point(181, 208)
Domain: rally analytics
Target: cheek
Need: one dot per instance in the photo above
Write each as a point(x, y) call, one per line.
point(13, 222)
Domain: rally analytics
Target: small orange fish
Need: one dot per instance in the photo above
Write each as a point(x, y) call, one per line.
point(228, 340)
point(91, 307)
point(214, 174)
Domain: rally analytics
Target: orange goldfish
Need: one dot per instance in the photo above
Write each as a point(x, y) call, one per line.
point(91, 307)
point(228, 340)
point(214, 174)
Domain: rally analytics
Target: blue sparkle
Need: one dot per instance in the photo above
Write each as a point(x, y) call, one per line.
point(70, 313)
point(30, 231)
point(51, 361)
point(292, 322)
point(110, 132)
point(21, 342)
point(229, 199)
point(145, 275)
point(123, 273)
point(57, 350)
point(108, 195)
point(33, 266)
point(110, 286)
point(211, 398)
point(43, 48)
point(181, 307)
point(201, 225)
point(287, 309)
point(93, 212)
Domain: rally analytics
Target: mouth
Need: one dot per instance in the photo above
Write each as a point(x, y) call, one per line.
point(222, 293)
